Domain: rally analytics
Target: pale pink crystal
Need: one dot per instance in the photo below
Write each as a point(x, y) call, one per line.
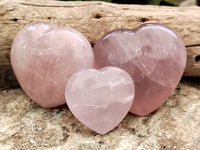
point(152, 54)
point(100, 99)
point(44, 56)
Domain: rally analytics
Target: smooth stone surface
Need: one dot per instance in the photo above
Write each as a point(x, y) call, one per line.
point(26, 126)
point(153, 55)
point(100, 99)
point(44, 56)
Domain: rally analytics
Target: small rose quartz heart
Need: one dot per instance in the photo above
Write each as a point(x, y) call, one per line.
point(44, 56)
point(152, 54)
point(100, 99)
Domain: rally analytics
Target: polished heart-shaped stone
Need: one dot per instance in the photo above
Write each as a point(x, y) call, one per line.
point(152, 54)
point(44, 56)
point(100, 99)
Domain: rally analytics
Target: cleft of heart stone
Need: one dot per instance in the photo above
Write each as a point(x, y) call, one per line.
point(100, 99)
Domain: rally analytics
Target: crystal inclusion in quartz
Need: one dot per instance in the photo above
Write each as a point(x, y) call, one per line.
point(44, 56)
point(152, 54)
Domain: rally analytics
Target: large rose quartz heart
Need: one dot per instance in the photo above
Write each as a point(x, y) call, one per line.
point(44, 56)
point(100, 99)
point(153, 55)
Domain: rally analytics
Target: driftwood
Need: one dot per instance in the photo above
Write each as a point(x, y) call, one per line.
point(94, 19)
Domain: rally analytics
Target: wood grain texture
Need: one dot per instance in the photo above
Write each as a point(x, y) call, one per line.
point(94, 19)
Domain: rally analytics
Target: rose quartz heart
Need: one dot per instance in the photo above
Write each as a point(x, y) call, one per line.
point(153, 55)
point(44, 56)
point(100, 99)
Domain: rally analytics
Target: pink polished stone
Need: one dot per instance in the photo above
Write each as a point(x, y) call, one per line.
point(153, 55)
point(100, 99)
point(44, 56)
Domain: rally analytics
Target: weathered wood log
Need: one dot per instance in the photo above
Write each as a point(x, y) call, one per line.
point(94, 19)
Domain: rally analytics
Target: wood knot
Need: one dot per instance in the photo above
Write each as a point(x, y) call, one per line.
point(97, 16)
